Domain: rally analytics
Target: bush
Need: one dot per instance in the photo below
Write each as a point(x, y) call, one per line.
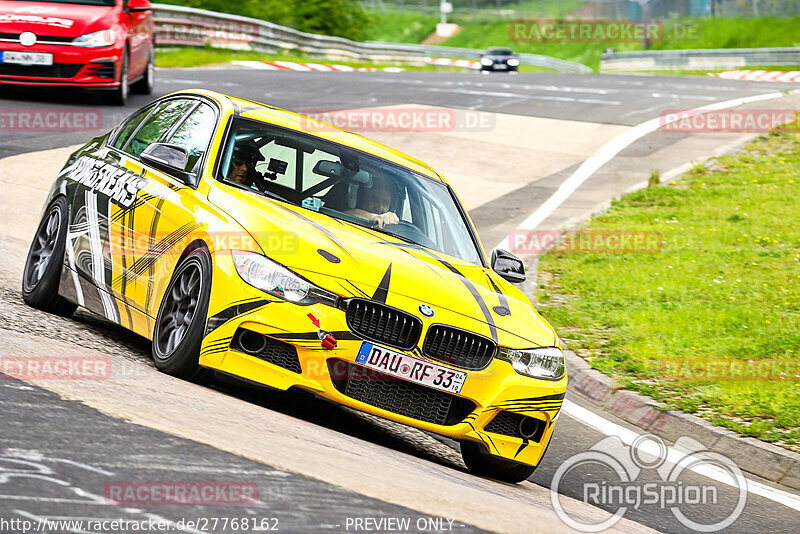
point(344, 18)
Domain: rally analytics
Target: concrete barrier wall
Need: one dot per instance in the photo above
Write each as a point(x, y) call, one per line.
point(715, 59)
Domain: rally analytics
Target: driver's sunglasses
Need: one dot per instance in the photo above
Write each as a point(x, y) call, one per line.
point(238, 161)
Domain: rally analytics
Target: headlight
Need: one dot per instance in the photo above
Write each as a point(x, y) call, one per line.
point(512, 62)
point(95, 39)
point(485, 61)
point(547, 363)
point(275, 279)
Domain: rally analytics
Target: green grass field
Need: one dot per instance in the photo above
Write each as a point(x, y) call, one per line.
point(678, 34)
point(724, 291)
point(396, 26)
point(198, 57)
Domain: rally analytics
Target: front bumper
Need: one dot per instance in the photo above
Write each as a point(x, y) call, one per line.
point(72, 66)
point(485, 394)
point(499, 67)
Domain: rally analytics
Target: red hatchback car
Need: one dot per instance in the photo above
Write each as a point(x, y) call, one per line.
point(100, 44)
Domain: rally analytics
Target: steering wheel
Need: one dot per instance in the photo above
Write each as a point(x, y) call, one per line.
point(410, 231)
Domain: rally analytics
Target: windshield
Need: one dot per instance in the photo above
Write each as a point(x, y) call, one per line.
point(347, 184)
point(81, 2)
point(499, 52)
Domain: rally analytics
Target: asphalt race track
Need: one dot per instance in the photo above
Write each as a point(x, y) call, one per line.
point(319, 467)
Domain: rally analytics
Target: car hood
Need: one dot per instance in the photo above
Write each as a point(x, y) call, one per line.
point(354, 261)
point(50, 19)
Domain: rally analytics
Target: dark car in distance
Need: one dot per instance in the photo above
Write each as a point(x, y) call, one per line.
point(499, 59)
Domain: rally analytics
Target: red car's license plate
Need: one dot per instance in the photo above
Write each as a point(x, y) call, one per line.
point(26, 58)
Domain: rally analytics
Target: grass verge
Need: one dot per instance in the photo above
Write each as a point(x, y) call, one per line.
point(721, 299)
point(679, 33)
point(399, 26)
point(198, 57)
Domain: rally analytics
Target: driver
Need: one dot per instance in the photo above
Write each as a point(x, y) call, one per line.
point(374, 203)
point(243, 164)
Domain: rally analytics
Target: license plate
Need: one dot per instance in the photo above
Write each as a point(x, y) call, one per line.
point(408, 368)
point(26, 58)
point(500, 66)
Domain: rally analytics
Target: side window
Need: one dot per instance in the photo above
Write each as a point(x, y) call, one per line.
point(157, 124)
point(128, 128)
point(195, 134)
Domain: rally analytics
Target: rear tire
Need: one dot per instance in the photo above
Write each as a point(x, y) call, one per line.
point(42, 272)
point(181, 320)
point(481, 463)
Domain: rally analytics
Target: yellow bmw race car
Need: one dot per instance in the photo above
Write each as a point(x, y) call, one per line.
point(247, 240)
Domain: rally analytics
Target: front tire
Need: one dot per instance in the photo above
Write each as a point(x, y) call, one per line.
point(146, 85)
point(181, 320)
point(481, 463)
point(42, 272)
point(118, 96)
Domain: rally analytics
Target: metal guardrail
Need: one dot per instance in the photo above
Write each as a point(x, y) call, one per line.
point(726, 58)
point(185, 26)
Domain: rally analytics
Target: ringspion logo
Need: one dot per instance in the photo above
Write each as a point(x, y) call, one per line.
point(613, 476)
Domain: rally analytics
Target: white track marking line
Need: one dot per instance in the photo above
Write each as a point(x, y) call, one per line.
point(502, 94)
point(583, 173)
point(608, 151)
point(675, 456)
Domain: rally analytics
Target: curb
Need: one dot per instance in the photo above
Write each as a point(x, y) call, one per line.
point(752, 455)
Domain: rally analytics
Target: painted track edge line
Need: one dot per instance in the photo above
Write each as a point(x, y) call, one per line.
point(608, 151)
point(627, 436)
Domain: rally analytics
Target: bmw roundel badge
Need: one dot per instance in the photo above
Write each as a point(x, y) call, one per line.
point(426, 310)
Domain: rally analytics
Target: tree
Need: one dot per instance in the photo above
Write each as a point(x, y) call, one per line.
point(345, 18)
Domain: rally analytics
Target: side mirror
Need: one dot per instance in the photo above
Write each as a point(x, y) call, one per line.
point(138, 6)
point(172, 159)
point(508, 266)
